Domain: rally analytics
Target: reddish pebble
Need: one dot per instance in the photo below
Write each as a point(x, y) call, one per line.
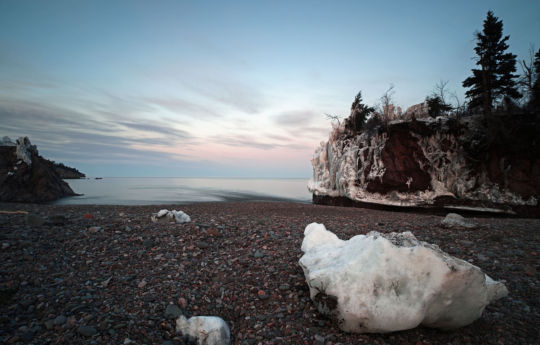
point(88, 216)
point(182, 302)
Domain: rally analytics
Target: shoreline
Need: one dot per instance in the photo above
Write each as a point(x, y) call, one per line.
point(110, 268)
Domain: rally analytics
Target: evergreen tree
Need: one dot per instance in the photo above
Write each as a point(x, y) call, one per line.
point(359, 113)
point(535, 95)
point(436, 106)
point(494, 81)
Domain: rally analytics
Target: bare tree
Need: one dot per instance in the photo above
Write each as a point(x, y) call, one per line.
point(386, 107)
point(441, 90)
point(528, 76)
point(333, 118)
point(459, 106)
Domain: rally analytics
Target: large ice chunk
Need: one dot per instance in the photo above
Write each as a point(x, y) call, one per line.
point(389, 282)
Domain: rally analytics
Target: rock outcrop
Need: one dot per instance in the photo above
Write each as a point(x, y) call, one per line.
point(466, 163)
point(379, 283)
point(25, 176)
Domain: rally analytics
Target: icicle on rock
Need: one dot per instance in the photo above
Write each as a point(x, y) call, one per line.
point(379, 283)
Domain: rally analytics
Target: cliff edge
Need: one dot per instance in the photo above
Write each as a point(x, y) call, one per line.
point(25, 176)
point(470, 163)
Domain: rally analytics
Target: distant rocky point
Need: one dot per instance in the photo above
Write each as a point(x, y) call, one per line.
point(470, 163)
point(25, 176)
point(66, 172)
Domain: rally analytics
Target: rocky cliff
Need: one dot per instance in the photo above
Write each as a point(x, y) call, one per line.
point(469, 163)
point(25, 176)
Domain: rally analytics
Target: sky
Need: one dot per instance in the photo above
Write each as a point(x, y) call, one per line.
point(224, 88)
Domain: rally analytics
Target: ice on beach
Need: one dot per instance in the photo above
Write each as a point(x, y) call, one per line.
point(208, 330)
point(168, 216)
point(378, 283)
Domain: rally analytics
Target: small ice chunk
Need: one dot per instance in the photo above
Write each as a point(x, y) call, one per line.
point(169, 216)
point(161, 213)
point(208, 330)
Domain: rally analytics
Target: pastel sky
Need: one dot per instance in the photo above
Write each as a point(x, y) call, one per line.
point(223, 88)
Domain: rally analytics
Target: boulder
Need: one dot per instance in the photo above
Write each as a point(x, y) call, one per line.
point(379, 283)
point(170, 216)
point(208, 330)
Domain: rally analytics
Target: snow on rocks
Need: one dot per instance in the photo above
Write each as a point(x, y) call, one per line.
point(208, 330)
point(6, 141)
point(454, 220)
point(378, 283)
point(25, 149)
point(169, 216)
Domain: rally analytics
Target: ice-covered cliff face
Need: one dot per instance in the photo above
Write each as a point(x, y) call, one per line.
point(428, 162)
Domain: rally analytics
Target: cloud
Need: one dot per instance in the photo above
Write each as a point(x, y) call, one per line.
point(166, 130)
point(244, 141)
point(182, 107)
point(295, 118)
point(65, 133)
point(220, 87)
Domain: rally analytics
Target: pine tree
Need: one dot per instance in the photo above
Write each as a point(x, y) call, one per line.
point(494, 81)
point(535, 94)
point(359, 113)
point(436, 106)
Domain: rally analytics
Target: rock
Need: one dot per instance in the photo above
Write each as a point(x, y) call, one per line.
point(258, 254)
point(87, 331)
point(529, 270)
point(25, 176)
point(60, 320)
point(49, 324)
point(202, 244)
point(170, 216)
point(378, 283)
point(208, 330)
point(284, 287)
point(454, 220)
point(94, 229)
point(262, 295)
point(173, 311)
point(142, 284)
point(33, 220)
point(57, 219)
point(182, 302)
point(318, 340)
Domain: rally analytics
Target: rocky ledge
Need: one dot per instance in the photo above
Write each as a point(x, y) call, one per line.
point(25, 176)
point(468, 163)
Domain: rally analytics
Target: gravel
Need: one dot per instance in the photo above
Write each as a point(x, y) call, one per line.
point(125, 281)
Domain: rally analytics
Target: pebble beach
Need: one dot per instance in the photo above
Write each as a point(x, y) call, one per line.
point(84, 274)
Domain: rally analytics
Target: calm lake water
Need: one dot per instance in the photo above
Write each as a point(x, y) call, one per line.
point(147, 191)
